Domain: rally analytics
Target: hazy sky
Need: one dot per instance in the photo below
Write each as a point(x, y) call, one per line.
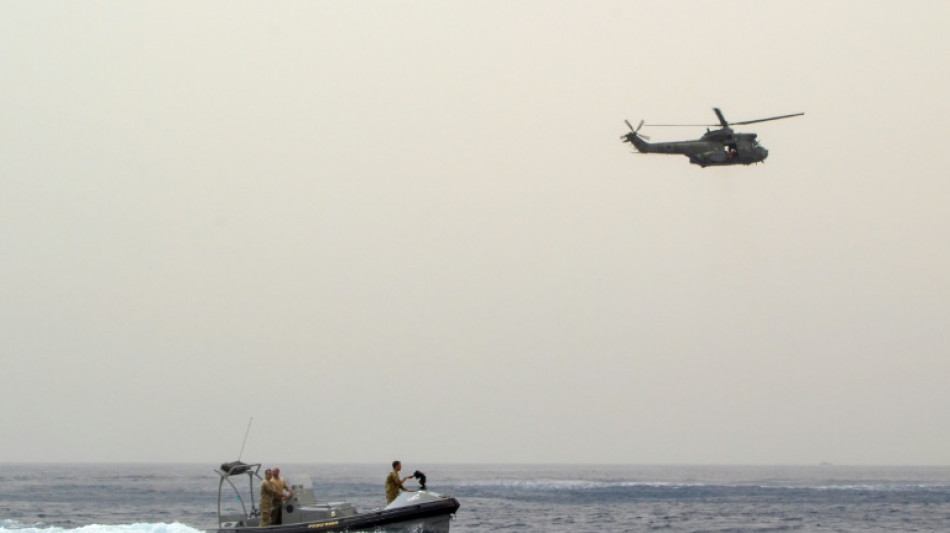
point(410, 229)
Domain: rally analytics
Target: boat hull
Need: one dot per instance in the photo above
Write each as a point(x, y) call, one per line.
point(430, 517)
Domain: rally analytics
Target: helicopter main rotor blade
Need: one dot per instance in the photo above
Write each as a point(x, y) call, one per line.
point(722, 119)
point(725, 123)
point(767, 119)
point(679, 125)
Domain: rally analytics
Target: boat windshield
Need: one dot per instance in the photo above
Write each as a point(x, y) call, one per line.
point(300, 481)
point(302, 486)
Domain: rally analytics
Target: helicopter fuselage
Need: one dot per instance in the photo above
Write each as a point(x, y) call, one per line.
point(715, 148)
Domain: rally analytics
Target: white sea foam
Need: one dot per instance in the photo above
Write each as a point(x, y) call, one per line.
point(12, 526)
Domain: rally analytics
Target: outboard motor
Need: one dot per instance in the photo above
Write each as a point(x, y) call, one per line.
point(422, 479)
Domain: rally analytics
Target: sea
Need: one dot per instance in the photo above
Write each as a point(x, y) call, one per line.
point(183, 498)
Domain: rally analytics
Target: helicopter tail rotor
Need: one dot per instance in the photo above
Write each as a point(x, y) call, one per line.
point(635, 131)
point(640, 142)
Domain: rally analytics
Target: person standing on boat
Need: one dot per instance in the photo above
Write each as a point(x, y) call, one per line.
point(394, 483)
point(282, 493)
point(269, 497)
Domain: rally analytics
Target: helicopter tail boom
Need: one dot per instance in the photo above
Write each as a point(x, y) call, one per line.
point(635, 138)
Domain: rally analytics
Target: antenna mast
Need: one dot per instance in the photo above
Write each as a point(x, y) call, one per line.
point(245, 438)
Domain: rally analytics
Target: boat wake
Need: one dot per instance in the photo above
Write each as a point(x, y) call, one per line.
point(12, 526)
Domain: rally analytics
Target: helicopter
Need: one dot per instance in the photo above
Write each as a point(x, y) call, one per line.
point(719, 147)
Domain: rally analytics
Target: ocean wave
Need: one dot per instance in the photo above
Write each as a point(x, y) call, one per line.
point(886, 487)
point(576, 484)
point(590, 485)
point(12, 526)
